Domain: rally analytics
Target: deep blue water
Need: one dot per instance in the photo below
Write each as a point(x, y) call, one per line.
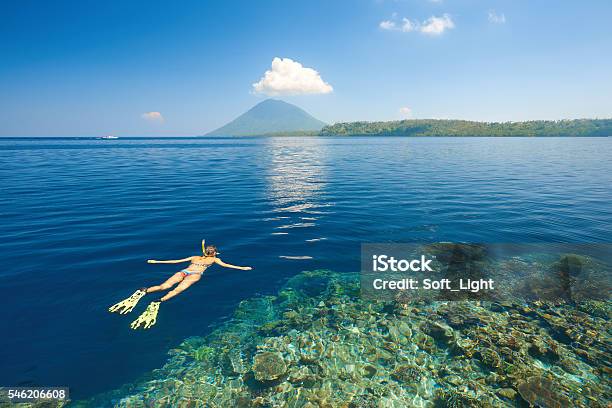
point(81, 217)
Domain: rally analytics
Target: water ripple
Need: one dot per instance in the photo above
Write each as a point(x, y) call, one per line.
point(80, 218)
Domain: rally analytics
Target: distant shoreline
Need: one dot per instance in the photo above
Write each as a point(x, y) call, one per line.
point(416, 128)
point(444, 128)
point(281, 135)
point(462, 128)
point(465, 128)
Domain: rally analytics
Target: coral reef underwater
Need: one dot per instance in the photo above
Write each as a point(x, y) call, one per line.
point(317, 343)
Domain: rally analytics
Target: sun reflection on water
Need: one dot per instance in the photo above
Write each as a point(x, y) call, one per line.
point(297, 179)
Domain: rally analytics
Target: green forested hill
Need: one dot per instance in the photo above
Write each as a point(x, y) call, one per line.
point(441, 127)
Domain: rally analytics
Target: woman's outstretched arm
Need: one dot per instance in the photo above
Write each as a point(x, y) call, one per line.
point(226, 265)
point(171, 261)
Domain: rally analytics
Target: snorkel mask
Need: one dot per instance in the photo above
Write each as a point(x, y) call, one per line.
point(209, 251)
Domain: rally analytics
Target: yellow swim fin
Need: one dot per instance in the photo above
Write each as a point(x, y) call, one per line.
point(148, 317)
point(127, 305)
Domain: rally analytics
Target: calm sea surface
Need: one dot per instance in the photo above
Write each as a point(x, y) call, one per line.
point(81, 217)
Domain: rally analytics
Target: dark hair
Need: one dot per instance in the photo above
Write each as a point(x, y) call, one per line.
point(211, 250)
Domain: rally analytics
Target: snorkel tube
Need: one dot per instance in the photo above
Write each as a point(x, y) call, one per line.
point(204, 249)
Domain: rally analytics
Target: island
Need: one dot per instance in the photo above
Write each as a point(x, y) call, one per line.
point(442, 127)
point(278, 118)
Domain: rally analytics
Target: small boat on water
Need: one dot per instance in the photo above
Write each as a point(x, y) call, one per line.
point(109, 137)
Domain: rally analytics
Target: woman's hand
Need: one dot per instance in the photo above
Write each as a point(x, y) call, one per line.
point(152, 261)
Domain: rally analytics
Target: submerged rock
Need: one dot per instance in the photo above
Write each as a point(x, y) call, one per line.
point(268, 366)
point(543, 392)
point(439, 331)
point(318, 344)
point(490, 358)
point(455, 399)
point(508, 393)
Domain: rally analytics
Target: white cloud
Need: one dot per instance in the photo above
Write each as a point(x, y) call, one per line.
point(437, 25)
point(387, 25)
point(289, 77)
point(496, 18)
point(153, 117)
point(405, 111)
point(408, 25)
point(432, 26)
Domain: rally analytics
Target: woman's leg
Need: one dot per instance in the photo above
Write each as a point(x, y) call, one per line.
point(187, 282)
point(174, 279)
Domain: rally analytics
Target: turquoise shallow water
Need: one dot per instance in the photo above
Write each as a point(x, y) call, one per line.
point(316, 343)
point(80, 217)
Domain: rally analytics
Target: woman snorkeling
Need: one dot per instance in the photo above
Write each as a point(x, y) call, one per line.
point(185, 278)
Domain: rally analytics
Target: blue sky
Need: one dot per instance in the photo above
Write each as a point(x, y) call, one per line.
point(90, 68)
